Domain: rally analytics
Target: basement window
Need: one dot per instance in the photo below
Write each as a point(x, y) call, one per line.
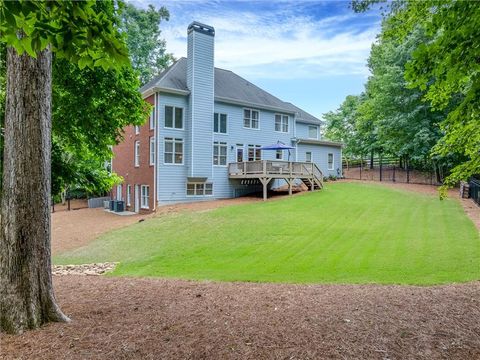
point(199, 189)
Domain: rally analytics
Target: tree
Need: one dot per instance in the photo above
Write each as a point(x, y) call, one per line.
point(341, 125)
point(146, 47)
point(105, 101)
point(32, 31)
point(446, 70)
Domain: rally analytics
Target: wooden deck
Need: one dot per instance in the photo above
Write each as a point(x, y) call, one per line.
point(266, 170)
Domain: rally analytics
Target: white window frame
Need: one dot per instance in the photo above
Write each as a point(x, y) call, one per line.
point(174, 112)
point(174, 141)
point(199, 188)
point(129, 195)
point(255, 148)
point(218, 120)
point(152, 151)
point(316, 131)
point(328, 161)
point(279, 152)
point(119, 194)
point(144, 197)
point(250, 119)
point(137, 153)
point(306, 157)
point(152, 119)
point(137, 129)
point(282, 125)
point(219, 145)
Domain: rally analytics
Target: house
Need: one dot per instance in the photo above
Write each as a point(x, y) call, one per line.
point(205, 133)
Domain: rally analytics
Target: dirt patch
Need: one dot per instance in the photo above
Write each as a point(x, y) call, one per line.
point(76, 228)
point(121, 318)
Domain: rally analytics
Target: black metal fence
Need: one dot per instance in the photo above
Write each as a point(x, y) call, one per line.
point(475, 190)
point(389, 169)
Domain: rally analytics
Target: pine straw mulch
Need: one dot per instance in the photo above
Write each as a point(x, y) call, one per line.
point(123, 318)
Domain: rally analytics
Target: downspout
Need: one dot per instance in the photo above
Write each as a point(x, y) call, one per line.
point(155, 157)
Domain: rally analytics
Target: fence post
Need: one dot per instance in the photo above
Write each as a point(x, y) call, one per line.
point(393, 176)
point(408, 172)
point(53, 205)
point(361, 164)
point(380, 167)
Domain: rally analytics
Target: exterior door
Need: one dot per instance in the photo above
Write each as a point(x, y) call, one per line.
point(137, 198)
point(239, 153)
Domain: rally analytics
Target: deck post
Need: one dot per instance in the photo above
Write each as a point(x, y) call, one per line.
point(289, 181)
point(265, 181)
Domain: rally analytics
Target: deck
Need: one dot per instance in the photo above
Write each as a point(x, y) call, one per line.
point(266, 170)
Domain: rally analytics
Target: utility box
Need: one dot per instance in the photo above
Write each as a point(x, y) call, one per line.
point(119, 206)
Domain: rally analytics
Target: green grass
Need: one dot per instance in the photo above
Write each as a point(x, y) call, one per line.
point(348, 233)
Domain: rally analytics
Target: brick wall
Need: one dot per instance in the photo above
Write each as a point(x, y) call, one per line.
point(123, 164)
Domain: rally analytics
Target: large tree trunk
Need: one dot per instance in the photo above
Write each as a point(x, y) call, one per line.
point(26, 293)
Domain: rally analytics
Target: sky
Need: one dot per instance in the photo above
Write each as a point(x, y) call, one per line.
point(310, 53)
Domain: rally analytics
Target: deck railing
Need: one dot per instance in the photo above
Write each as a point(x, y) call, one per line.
point(274, 168)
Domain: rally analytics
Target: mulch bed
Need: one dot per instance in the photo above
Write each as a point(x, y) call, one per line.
point(123, 318)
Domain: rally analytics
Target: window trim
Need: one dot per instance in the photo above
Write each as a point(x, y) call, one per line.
point(142, 197)
point(151, 160)
point(311, 157)
point(173, 120)
point(255, 147)
point(152, 119)
point(243, 119)
point(195, 189)
point(136, 153)
point(220, 144)
point(333, 162)
point(137, 129)
point(173, 158)
point(281, 123)
point(226, 123)
point(316, 129)
point(281, 153)
point(129, 195)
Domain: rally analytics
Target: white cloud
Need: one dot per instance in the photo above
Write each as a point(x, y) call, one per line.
point(276, 44)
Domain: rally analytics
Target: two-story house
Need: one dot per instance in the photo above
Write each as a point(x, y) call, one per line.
point(205, 136)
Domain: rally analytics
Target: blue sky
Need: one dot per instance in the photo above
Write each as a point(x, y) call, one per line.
point(311, 53)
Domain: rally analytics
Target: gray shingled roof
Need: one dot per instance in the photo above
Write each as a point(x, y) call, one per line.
point(229, 87)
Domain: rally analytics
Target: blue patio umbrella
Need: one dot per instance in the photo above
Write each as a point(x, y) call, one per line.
point(278, 146)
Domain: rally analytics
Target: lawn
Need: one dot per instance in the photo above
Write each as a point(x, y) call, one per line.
point(347, 233)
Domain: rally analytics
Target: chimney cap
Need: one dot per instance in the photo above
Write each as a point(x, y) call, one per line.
point(204, 29)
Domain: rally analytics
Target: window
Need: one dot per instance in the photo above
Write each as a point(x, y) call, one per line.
point(152, 119)
point(281, 123)
point(137, 129)
point(279, 155)
point(129, 195)
point(119, 192)
point(173, 117)
point(250, 118)
point(313, 132)
point(137, 153)
point(220, 123)
point(173, 151)
point(199, 189)
point(308, 156)
point(330, 161)
point(219, 153)
point(145, 190)
point(254, 152)
point(152, 151)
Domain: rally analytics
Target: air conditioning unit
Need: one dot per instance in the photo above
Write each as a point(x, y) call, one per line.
point(106, 204)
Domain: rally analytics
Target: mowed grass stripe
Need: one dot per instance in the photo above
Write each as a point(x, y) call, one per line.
point(347, 233)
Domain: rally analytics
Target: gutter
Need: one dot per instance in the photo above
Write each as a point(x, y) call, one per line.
point(321, 142)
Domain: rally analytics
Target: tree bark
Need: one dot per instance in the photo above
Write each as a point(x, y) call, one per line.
point(26, 293)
